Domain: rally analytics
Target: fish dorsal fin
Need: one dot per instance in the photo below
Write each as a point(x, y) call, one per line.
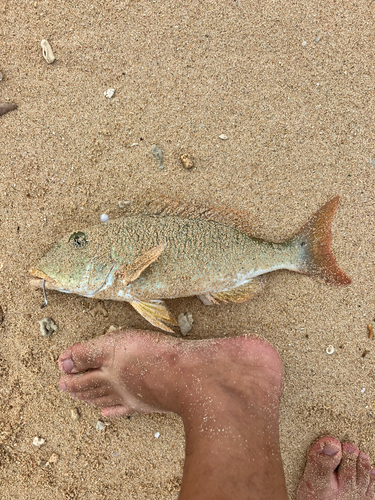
point(163, 205)
point(132, 271)
point(156, 312)
point(240, 293)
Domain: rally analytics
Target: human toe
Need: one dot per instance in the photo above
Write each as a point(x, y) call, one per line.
point(117, 411)
point(319, 477)
point(347, 471)
point(82, 357)
point(82, 382)
point(363, 473)
point(370, 494)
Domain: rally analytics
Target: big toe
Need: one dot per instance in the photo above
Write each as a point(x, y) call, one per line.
point(319, 479)
point(82, 357)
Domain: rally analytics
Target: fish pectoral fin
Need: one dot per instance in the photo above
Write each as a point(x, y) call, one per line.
point(240, 293)
point(156, 313)
point(133, 270)
point(207, 299)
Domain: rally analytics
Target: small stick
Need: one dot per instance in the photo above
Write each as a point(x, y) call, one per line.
point(44, 294)
point(370, 331)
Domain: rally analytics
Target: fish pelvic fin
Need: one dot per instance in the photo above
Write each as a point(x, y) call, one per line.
point(132, 271)
point(315, 239)
point(241, 293)
point(156, 313)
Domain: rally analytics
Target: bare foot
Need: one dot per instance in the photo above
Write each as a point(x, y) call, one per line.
point(336, 471)
point(227, 392)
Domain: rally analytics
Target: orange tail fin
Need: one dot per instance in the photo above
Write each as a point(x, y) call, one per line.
point(316, 237)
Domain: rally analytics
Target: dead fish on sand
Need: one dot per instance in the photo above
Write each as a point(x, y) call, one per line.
point(167, 249)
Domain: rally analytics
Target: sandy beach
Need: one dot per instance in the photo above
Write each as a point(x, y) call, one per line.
point(290, 85)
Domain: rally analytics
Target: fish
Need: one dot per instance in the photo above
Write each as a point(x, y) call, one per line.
point(166, 249)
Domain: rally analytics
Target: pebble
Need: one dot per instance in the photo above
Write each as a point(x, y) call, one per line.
point(157, 435)
point(158, 155)
point(1, 76)
point(5, 107)
point(123, 204)
point(372, 161)
point(109, 93)
point(363, 390)
point(100, 426)
point(38, 441)
point(330, 349)
point(317, 39)
point(47, 52)
point(53, 458)
point(304, 43)
point(185, 322)
point(74, 414)
point(1, 315)
point(187, 161)
point(47, 327)
point(104, 218)
point(223, 137)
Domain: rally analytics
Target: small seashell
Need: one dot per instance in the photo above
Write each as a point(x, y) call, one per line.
point(109, 93)
point(157, 435)
point(123, 203)
point(47, 327)
point(304, 43)
point(100, 426)
point(38, 441)
point(223, 137)
point(185, 322)
point(187, 161)
point(5, 107)
point(74, 414)
point(330, 349)
point(104, 218)
point(158, 155)
point(47, 52)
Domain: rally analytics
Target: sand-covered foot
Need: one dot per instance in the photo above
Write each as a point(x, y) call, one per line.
point(227, 392)
point(336, 471)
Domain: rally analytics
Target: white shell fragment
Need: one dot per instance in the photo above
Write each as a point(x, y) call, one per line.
point(47, 52)
point(100, 426)
point(123, 203)
point(109, 93)
point(223, 137)
point(185, 322)
point(104, 218)
point(304, 43)
point(38, 441)
point(330, 349)
point(157, 153)
point(157, 435)
point(47, 327)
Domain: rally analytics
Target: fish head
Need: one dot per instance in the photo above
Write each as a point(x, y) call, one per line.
point(74, 265)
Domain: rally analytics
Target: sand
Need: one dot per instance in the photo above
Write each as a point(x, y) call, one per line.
point(299, 121)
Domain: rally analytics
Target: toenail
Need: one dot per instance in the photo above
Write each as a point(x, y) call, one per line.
point(62, 386)
point(67, 365)
point(330, 449)
point(363, 456)
point(373, 471)
point(351, 448)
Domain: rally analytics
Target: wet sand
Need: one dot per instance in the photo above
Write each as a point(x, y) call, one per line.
point(299, 122)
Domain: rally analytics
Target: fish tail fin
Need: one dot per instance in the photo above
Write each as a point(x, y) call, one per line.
point(316, 237)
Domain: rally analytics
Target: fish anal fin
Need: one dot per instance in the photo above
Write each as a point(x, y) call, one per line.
point(156, 313)
point(132, 271)
point(241, 293)
point(162, 205)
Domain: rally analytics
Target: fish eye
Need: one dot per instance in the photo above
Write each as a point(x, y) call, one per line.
point(79, 239)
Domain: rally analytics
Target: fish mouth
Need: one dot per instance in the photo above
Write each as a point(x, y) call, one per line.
point(39, 276)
